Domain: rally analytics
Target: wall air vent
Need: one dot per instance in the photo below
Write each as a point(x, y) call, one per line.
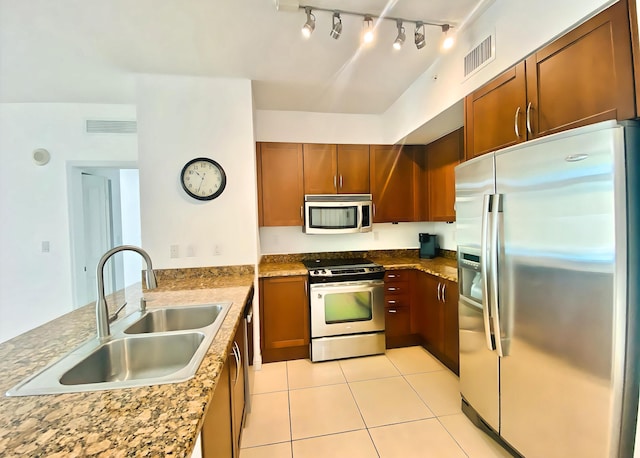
point(99, 126)
point(480, 56)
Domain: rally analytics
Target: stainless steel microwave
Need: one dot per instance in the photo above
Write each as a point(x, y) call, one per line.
point(337, 213)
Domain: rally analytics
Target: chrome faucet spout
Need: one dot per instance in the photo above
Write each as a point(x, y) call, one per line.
point(102, 313)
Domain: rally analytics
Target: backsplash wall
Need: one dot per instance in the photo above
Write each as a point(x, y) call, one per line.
point(385, 236)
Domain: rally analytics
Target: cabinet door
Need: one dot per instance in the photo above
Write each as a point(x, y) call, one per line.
point(353, 169)
point(583, 77)
point(494, 115)
point(433, 326)
point(392, 183)
point(320, 169)
point(217, 428)
point(451, 347)
point(280, 184)
point(284, 318)
point(442, 157)
point(236, 365)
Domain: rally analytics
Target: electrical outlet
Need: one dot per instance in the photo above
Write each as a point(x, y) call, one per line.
point(174, 251)
point(191, 251)
point(217, 250)
point(45, 246)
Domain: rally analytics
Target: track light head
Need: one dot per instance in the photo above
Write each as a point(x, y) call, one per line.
point(397, 44)
point(336, 29)
point(419, 35)
point(368, 29)
point(448, 41)
point(310, 25)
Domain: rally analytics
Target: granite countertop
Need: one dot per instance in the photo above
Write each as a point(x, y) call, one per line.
point(153, 421)
point(288, 265)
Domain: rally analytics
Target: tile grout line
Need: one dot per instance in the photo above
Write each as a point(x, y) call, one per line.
point(289, 404)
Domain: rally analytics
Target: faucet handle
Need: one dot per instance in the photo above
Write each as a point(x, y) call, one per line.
point(114, 317)
point(143, 304)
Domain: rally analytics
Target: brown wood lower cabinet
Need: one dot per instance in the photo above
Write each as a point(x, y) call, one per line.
point(284, 318)
point(397, 309)
point(222, 428)
point(217, 428)
point(436, 317)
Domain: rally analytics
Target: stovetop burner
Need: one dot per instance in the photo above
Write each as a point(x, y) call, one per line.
point(324, 263)
point(341, 270)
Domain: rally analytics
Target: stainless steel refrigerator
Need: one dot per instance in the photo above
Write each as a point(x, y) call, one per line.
point(547, 235)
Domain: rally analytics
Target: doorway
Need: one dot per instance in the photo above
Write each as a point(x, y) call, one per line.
point(104, 213)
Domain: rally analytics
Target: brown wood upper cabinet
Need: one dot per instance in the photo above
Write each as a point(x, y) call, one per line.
point(280, 184)
point(442, 157)
point(336, 169)
point(581, 78)
point(392, 182)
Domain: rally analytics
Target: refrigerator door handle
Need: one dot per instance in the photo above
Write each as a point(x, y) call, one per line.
point(484, 268)
point(496, 209)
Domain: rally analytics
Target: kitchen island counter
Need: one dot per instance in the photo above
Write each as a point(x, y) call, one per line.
point(159, 420)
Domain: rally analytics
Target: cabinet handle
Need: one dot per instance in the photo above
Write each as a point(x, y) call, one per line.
point(391, 302)
point(334, 182)
point(236, 353)
point(392, 311)
point(391, 275)
point(301, 213)
point(374, 210)
point(529, 119)
point(341, 181)
point(444, 289)
point(391, 288)
point(515, 123)
point(438, 293)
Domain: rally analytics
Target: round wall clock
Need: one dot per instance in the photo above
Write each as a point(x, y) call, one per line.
point(203, 178)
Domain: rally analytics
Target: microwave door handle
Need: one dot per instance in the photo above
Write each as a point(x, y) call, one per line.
point(360, 216)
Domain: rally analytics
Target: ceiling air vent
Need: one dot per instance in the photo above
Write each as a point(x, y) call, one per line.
point(480, 56)
point(97, 126)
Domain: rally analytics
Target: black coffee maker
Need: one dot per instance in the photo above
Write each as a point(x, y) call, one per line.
point(428, 245)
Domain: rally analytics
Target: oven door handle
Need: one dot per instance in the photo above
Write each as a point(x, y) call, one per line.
point(364, 285)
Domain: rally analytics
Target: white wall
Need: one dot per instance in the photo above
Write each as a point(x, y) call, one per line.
point(387, 236)
point(520, 28)
point(35, 287)
point(130, 211)
point(181, 118)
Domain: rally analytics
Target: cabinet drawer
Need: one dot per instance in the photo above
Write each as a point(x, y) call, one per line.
point(395, 288)
point(397, 321)
point(396, 275)
point(401, 300)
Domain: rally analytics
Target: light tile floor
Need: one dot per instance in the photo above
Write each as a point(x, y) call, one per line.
point(402, 404)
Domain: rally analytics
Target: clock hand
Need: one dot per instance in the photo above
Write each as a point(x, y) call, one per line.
point(201, 181)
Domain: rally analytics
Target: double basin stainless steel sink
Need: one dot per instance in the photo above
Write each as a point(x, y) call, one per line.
point(164, 345)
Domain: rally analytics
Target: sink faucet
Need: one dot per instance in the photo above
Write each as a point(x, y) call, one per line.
point(102, 313)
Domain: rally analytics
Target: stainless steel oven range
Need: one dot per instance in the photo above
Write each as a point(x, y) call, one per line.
point(346, 297)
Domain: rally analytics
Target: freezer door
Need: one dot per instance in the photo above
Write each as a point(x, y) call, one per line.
point(560, 313)
point(478, 363)
point(474, 180)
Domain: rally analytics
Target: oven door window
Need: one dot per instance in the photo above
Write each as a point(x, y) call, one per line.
point(333, 217)
point(347, 307)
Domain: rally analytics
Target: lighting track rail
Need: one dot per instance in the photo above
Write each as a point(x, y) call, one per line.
point(336, 29)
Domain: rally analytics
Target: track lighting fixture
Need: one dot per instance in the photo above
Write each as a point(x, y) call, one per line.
point(336, 30)
point(397, 44)
point(368, 29)
point(419, 35)
point(447, 43)
point(310, 25)
point(368, 25)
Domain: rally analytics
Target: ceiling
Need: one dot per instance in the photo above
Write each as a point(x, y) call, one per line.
point(90, 50)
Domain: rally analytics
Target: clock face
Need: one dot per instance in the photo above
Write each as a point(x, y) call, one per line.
point(203, 178)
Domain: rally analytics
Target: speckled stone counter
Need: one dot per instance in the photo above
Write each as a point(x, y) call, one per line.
point(286, 265)
point(152, 421)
